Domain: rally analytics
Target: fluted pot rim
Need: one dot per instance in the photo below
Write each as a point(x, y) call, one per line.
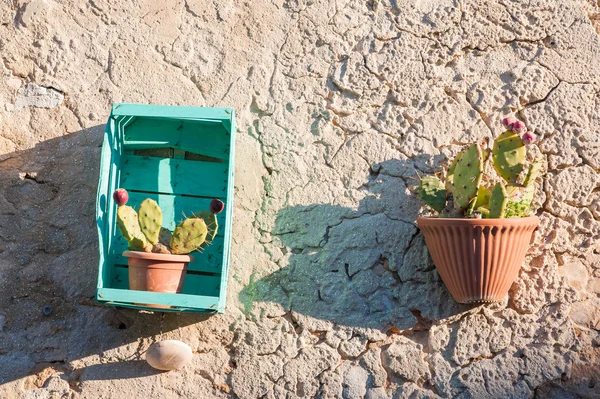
point(153, 256)
point(428, 221)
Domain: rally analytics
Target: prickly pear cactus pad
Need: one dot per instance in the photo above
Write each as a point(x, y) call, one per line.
point(467, 176)
point(533, 172)
point(483, 196)
point(211, 224)
point(450, 173)
point(508, 155)
point(127, 221)
point(498, 201)
point(433, 192)
point(188, 236)
point(150, 219)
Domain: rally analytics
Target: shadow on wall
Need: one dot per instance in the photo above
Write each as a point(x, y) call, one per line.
point(362, 268)
point(122, 370)
point(49, 258)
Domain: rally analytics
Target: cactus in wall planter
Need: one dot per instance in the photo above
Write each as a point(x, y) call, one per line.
point(485, 205)
point(467, 191)
point(157, 257)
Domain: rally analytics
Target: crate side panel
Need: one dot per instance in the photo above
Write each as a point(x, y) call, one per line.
point(172, 309)
point(101, 209)
point(114, 135)
point(171, 111)
point(201, 137)
point(182, 300)
point(228, 226)
point(176, 176)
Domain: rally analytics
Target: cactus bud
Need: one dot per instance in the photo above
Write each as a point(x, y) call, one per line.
point(484, 144)
point(528, 138)
point(507, 122)
point(121, 196)
point(518, 127)
point(216, 206)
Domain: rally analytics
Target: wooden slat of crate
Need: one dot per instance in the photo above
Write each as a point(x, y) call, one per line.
point(210, 260)
point(170, 112)
point(129, 297)
point(176, 208)
point(194, 284)
point(204, 137)
point(174, 176)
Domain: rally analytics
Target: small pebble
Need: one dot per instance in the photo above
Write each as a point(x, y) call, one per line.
point(47, 310)
point(168, 355)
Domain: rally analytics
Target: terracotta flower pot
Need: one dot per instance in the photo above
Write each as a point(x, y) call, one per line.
point(478, 259)
point(156, 272)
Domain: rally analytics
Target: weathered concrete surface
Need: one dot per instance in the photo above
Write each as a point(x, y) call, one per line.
point(340, 105)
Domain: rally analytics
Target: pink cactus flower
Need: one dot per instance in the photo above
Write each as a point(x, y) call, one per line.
point(507, 122)
point(528, 138)
point(518, 127)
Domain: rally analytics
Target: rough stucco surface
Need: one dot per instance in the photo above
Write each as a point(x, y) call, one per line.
point(340, 105)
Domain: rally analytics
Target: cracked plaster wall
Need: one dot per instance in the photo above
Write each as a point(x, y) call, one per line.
point(340, 105)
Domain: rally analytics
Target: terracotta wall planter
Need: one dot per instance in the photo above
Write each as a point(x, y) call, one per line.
point(478, 259)
point(156, 272)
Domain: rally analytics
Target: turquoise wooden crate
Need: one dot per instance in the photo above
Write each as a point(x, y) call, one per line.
point(182, 157)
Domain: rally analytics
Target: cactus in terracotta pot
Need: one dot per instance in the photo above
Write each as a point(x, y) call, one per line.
point(484, 202)
point(157, 258)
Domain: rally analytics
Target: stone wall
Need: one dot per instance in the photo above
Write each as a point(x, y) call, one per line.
point(340, 105)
